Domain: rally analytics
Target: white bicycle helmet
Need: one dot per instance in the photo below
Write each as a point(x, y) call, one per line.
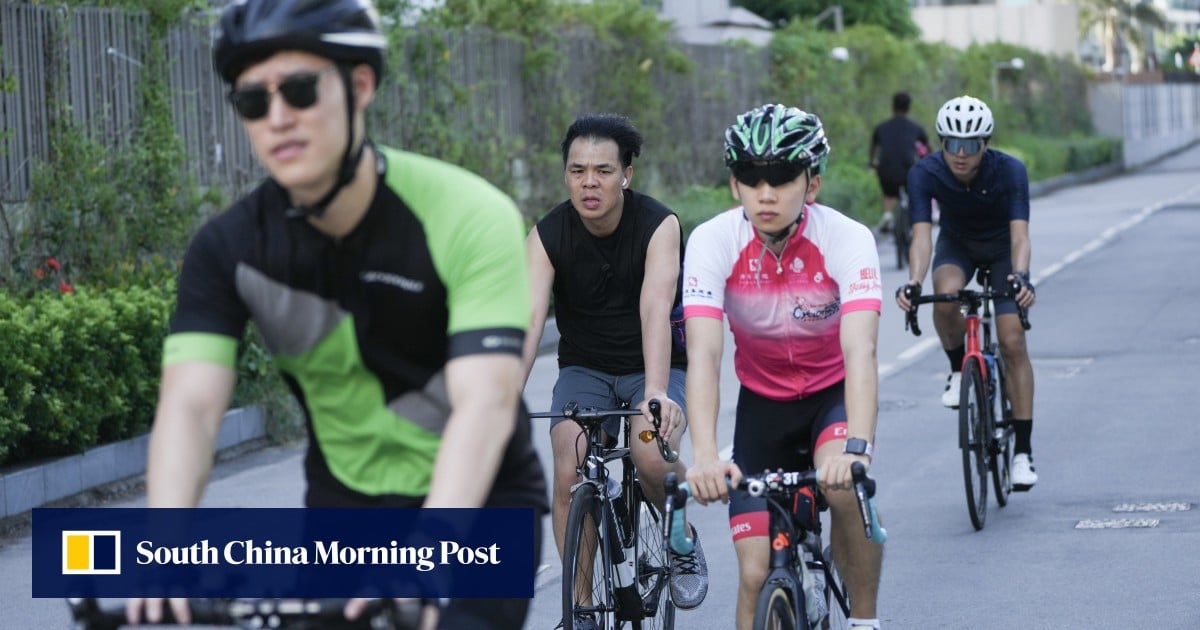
point(965, 117)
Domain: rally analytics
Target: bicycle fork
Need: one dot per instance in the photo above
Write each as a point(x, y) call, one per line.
point(616, 539)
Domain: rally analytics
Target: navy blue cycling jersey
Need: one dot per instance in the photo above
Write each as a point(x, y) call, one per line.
point(981, 211)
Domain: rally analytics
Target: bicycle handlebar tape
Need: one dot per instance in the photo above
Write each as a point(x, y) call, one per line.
point(864, 489)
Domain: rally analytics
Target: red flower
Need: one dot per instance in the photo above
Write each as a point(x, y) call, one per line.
point(53, 264)
point(39, 273)
point(66, 288)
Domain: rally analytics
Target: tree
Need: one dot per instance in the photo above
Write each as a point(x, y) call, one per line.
point(1122, 24)
point(893, 15)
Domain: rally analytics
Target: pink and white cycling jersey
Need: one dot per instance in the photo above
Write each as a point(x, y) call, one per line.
point(784, 310)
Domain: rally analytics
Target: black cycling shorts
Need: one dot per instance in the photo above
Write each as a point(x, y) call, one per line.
point(969, 254)
point(771, 434)
point(891, 188)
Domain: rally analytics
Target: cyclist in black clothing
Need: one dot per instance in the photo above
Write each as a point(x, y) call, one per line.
point(611, 257)
point(390, 287)
point(896, 144)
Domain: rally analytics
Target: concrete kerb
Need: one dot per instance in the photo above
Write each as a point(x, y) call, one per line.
point(34, 486)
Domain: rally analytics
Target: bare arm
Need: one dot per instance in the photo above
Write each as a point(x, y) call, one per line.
point(541, 280)
point(919, 253)
point(1022, 252)
point(484, 390)
point(858, 334)
point(706, 339)
point(656, 301)
point(193, 398)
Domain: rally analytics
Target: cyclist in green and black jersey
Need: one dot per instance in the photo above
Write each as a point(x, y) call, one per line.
point(390, 287)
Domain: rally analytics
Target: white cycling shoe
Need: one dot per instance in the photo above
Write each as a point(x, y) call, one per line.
point(951, 395)
point(1023, 474)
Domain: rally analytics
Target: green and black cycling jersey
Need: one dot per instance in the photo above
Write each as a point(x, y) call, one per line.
point(362, 327)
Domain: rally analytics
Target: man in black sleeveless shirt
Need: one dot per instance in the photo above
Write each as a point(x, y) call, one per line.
point(611, 258)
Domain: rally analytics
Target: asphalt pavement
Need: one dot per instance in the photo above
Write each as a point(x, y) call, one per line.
point(1109, 537)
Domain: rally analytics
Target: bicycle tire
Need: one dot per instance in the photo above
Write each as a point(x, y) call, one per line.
point(1002, 447)
point(774, 609)
point(653, 566)
point(973, 438)
point(587, 565)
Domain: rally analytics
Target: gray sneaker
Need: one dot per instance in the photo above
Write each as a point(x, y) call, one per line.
point(689, 576)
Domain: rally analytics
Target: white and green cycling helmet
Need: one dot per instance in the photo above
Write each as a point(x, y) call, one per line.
point(965, 117)
point(777, 133)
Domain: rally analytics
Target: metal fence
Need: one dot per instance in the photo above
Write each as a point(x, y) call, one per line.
point(92, 60)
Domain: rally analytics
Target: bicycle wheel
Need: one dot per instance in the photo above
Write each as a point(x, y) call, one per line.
point(973, 438)
point(1005, 441)
point(774, 610)
point(653, 568)
point(587, 568)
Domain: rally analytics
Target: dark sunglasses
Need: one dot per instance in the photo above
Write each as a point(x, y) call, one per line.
point(969, 146)
point(298, 90)
point(775, 173)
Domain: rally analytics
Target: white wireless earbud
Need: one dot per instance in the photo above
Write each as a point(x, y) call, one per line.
point(624, 182)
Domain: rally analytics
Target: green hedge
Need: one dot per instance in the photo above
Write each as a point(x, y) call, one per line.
point(82, 369)
point(79, 369)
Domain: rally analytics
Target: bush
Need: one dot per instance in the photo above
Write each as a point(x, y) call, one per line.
point(80, 369)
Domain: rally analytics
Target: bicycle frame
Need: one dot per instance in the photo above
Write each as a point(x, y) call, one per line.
point(619, 515)
point(788, 537)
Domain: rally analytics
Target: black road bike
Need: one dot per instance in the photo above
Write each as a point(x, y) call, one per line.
point(615, 570)
point(803, 588)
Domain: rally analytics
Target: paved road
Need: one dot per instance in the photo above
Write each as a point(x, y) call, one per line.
point(1114, 343)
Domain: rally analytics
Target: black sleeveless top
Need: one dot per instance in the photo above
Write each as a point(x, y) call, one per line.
point(598, 285)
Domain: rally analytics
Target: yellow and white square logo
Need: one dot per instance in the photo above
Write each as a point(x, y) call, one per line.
point(91, 552)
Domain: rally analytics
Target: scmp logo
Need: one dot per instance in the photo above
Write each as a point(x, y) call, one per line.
point(91, 552)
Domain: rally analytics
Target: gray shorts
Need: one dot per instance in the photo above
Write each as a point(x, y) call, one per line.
point(593, 388)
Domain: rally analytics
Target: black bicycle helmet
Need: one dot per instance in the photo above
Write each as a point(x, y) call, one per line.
point(345, 31)
point(342, 30)
point(777, 133)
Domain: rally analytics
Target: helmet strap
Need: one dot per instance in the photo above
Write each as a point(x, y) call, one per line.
point(350, 158)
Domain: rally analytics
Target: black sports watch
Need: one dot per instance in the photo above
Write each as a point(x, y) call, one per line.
point(859, 446)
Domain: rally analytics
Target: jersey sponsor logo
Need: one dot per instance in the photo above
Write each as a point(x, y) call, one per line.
point(805, 314)
point(866, 286)
point(693, 281)
point(868, 273)
point(395, 280)
point(818, 277)
point(697, 293)
point(797, 265)
point(755, 265)
point(496, 342)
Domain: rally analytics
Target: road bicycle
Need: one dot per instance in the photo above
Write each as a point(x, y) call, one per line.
point(615, 571)
point(985, 429)
point(284, 614)
point(803, 588)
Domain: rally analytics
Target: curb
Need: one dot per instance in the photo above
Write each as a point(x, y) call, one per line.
point(34, 486)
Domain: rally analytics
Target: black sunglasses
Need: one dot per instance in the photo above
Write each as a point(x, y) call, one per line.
point(969, 146)
point(298, 90)
point(775, 173)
